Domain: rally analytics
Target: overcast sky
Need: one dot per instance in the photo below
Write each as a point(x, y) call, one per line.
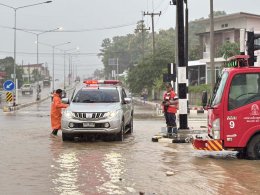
point(104, 15)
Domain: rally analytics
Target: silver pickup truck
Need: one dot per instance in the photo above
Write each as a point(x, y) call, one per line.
point(27, 89)
point(100, 109)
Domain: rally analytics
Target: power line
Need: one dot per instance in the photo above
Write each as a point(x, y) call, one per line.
point(75, 30)
point(164, 12)
point(159, 5)
point(32, 53)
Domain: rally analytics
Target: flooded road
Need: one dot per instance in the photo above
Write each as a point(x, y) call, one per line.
point(33, 162)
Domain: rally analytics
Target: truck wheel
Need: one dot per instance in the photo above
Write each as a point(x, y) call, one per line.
point(121, 134)
point(67, 137)
point(131, 126)
point(253, 148)
point(241, 154)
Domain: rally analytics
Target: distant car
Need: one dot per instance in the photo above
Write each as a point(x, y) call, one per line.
point(27, 89)
point(46, 83)
point(98, 109)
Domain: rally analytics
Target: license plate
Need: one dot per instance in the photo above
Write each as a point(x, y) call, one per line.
point(89, 124)
point(88, 115)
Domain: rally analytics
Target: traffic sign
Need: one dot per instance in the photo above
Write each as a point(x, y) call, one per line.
point(8, 85)
point(9, 97)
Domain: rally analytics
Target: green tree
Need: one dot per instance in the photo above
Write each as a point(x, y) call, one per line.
point(99, 74)
point(218, 13)
point(7, 65)
point(229, 49)
point(147, 71)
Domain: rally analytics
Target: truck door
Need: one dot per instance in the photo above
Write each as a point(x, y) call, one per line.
point(126, 108)
point(242, 112)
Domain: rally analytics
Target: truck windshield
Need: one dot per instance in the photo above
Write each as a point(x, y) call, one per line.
point(96, 96)
point(218, 90)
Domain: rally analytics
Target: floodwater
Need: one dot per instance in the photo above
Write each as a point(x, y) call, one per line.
point(33, 162)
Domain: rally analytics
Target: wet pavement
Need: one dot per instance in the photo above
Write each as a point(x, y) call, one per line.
point(33, 162)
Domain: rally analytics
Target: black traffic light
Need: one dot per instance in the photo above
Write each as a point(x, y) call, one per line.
point(171, 75)
point(251, 47)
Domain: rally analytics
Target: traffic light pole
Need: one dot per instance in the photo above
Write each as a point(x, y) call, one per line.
point(182, 72)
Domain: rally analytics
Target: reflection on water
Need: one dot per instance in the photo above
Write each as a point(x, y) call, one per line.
point(67, 174)
point(202, 172)
point(88, 168)
point(113, 165)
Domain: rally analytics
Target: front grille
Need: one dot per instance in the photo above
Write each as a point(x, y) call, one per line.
point(88, 115)
point(97, 125)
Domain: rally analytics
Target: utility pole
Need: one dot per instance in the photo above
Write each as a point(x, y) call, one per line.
point(69, 69)
point(212, 52)
point(152, 16)
point(142, 30)
point(186, 54)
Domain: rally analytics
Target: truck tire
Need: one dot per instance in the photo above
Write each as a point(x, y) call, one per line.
point(131, 126)
point(253, 148)
point(121, 134)
point(67, 137)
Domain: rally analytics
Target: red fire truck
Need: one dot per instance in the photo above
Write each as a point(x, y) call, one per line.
point(234, 111)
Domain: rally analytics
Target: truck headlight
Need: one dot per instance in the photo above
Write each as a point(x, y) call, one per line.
point(68, 114)
point(111, 114)
point(216, 129)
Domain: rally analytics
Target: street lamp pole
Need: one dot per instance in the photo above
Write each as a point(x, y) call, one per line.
point(15, 10)
point(64, 71)
point(53, 49)
point(64, 75)
point(37, 42)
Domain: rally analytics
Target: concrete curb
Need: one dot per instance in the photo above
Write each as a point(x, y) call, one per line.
point(194, 112)
point(18, 107)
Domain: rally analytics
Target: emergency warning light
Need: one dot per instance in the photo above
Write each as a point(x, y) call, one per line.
point(93, 82)
point(237, 61)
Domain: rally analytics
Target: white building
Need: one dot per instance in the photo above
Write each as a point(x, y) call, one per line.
point(226, 29)
point(30, 70)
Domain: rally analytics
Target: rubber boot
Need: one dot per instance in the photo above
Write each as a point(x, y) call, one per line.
point(174, 132)
point(55, 132)
point(169, 132)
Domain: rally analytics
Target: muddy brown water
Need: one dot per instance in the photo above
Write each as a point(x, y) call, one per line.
point(33, 162)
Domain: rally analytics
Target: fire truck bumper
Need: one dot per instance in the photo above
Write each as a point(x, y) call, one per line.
point(210, 145)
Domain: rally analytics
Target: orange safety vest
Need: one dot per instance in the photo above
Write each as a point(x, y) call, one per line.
point(169, 96)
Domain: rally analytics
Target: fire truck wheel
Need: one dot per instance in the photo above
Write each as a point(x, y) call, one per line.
point(253, 148)
point(241, 154)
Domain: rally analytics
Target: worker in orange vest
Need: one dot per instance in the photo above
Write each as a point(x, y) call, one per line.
point(170, 106)
point(56, 115)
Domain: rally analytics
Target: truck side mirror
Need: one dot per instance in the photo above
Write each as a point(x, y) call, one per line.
point(65, 100)
point(204, 99)
point(127, 100)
